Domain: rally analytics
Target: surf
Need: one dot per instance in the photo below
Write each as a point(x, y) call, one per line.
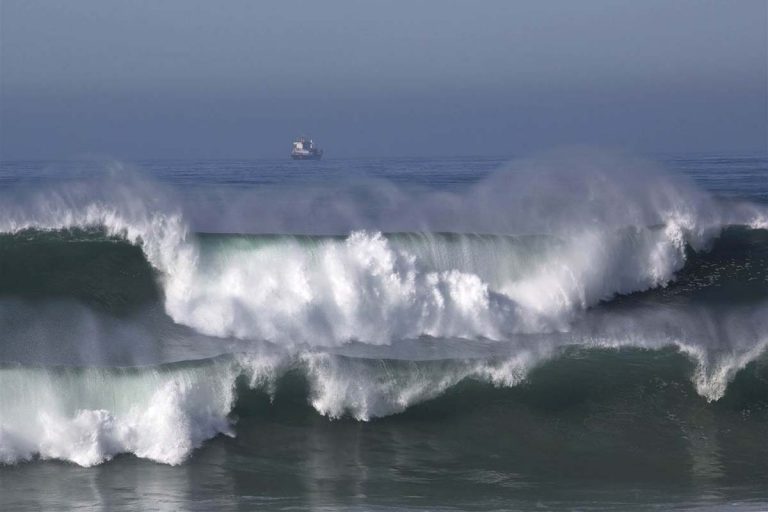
point(90, 415)
point(371, 287)
point(130, 329)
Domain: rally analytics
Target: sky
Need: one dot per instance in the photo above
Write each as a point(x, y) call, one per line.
point(241, 79)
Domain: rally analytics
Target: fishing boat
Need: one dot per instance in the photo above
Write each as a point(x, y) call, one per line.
point(304, 149)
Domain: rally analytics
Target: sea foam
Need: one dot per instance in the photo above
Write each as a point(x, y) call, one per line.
point(548, 258)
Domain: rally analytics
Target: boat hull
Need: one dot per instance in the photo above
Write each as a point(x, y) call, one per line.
point(307, 157)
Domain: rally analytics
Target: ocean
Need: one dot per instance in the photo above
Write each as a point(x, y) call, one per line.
point(576, 330)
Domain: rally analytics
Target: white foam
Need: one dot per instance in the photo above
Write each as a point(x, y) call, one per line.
point(366, 287)
point(626, 233)
point(373, 289)
point(88, 416)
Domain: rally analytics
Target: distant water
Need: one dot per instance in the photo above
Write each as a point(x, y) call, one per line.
point(579, 330)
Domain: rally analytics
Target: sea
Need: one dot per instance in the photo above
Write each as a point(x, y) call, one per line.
point(578, 329)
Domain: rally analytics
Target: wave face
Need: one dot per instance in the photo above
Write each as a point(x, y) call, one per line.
point(373, 314)
point(89, 415)
point(86, 264)
point(375, 287)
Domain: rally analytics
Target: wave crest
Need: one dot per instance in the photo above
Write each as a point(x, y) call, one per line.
point(89, 415)
point(627, 232)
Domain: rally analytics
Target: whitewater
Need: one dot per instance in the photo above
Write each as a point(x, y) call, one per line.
point(140, 317)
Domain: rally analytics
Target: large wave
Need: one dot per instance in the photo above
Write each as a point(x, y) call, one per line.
point(556, 243)
point(618, 238)
point(162, 413)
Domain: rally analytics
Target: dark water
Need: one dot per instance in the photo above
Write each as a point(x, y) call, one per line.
point(584, 331)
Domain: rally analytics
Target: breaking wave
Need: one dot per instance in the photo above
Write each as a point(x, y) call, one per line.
point(369, 287)
point(373, 319)
point(89, 415)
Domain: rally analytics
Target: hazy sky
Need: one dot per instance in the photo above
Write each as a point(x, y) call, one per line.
point(146, 79)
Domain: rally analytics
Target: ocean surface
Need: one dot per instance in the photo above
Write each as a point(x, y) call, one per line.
point(576, 330)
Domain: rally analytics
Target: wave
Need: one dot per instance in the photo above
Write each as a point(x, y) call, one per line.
point(378, 287)
point(373, 320)
point(588, 236)
point(89, 415)
point(106, 272)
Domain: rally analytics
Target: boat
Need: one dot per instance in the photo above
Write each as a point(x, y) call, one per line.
point(305, 149)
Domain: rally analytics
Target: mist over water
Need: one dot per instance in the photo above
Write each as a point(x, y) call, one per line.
point(191, 320)
point(179, 313)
